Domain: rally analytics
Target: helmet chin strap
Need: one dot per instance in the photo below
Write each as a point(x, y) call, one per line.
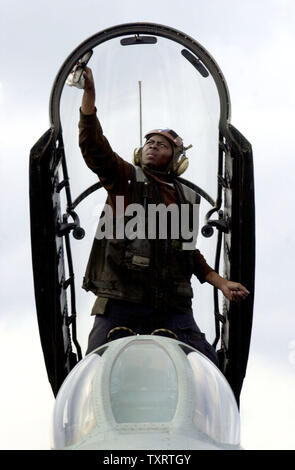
point(158, 172)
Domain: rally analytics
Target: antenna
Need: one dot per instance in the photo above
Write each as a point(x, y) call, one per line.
point(140, 114)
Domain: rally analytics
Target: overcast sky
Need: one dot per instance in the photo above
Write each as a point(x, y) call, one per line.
point(253, 42)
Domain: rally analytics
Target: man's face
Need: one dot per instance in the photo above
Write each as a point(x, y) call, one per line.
point(156, 152)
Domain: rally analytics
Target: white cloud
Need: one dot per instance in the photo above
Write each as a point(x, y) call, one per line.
point(268, 405)
point(1, 93)
point(26, 400)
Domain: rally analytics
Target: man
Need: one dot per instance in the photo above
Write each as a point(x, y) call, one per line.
point(143, 284)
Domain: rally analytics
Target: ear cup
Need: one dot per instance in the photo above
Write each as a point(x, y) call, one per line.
point(180, 161)
point(137, 156)
point(180, 166)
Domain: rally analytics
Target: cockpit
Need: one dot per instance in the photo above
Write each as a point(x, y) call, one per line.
point(147, 76)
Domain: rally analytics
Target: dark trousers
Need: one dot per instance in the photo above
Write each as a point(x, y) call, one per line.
point(138, 319)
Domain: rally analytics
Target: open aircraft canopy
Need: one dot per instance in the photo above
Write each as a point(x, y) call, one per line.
point(147, 76)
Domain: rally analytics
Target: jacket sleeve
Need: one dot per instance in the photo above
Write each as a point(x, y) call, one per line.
point(112, 170)
point(201, 268)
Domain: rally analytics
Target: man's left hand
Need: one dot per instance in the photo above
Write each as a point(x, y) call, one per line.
point(234, 291)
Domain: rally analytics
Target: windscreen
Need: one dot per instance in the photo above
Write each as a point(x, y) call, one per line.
point(74, 414)
point(215, 413)
point(143, 385)
point(141, 87)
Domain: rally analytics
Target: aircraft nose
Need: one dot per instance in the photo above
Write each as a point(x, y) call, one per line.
point(134, 392)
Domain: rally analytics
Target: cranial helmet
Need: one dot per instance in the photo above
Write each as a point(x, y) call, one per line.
point(179, 162)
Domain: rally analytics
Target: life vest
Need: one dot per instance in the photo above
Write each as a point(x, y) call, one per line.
point(152, 271)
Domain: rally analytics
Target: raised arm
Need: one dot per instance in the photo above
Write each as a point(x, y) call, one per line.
point(88, 100)
point(112, 170)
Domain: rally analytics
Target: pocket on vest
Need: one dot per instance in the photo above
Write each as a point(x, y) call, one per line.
point(184, 289)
